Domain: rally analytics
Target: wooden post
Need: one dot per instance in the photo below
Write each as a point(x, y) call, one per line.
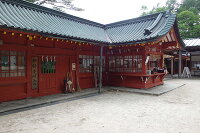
point(100, 69)
point(172, 66)
point(144, 65)
point(179, 64)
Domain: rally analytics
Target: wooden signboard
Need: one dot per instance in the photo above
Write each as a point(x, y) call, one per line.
point(34, 72)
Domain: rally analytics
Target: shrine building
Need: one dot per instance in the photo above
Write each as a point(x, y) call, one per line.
point(40, 48)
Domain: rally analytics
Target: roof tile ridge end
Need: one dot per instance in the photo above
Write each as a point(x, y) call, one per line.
point(107, 36)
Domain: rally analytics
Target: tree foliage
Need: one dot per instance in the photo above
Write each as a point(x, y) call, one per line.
point(188, 15)
point(60, 5)
point(189, 24)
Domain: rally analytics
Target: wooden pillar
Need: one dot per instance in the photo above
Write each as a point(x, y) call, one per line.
point(179, 64)
point(172, 66)
point(144, 57)
point(100, 69)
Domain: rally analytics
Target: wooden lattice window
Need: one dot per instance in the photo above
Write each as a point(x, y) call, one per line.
point(12, 64)
point(137, 63)
point(111, 63)
point(128, 63)
point(87, 63)
point(119, 63)
point(131, 63)
point(48, 64)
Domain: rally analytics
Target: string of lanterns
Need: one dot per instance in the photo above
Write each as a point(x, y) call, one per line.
point(32, 37)
point(139, 44)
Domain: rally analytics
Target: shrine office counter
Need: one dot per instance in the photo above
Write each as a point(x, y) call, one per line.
point(141, 81)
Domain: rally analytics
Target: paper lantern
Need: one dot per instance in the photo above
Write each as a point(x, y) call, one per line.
point(30, 38)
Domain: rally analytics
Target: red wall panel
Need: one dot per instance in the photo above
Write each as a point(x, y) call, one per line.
point(10, 92)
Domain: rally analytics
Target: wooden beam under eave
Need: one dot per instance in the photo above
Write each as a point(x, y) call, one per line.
point(166, 45)
point(175, 37)
point(169, 37)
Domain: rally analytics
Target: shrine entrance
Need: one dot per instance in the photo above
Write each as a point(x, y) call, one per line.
point(47, 74)
point(43, 74)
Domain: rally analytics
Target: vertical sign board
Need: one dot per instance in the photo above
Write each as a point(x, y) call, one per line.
point(34, 72)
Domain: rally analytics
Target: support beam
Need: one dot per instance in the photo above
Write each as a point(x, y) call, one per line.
point(100, 69)
point(179, 64)
point(172, 66)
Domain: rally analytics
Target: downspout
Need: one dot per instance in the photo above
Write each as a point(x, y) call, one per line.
point(100, 69)
point(180, 64)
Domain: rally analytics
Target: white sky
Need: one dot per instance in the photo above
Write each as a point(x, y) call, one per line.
point(108, 11)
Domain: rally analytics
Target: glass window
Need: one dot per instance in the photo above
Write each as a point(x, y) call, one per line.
point(111, 63)
point(4, 63)
point(12, 64)
point(137, 63)
point(87, 63)
point(119, 63)
point(128, 64)
point(196, 65)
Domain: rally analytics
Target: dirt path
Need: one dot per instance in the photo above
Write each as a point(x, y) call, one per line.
point(115, 112)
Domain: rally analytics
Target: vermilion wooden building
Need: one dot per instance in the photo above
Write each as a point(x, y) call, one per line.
point(40, 48)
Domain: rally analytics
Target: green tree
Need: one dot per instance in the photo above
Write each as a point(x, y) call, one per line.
point(172, 5)
point(169, 5)
point(191, 5)
point(189, 24)
point(155, 9)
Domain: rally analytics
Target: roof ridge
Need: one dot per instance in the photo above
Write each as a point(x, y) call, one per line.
point(148, 30)
point(134, 20)
point(32, 6)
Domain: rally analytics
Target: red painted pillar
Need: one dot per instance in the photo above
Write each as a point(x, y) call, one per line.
point(144, 56)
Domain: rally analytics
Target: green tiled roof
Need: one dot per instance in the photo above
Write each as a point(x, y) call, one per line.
point(18, 14)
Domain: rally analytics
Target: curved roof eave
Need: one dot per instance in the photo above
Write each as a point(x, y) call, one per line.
point(127, 31)
point(178, 34)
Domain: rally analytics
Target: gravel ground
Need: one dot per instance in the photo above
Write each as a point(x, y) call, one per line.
point(177, 111)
